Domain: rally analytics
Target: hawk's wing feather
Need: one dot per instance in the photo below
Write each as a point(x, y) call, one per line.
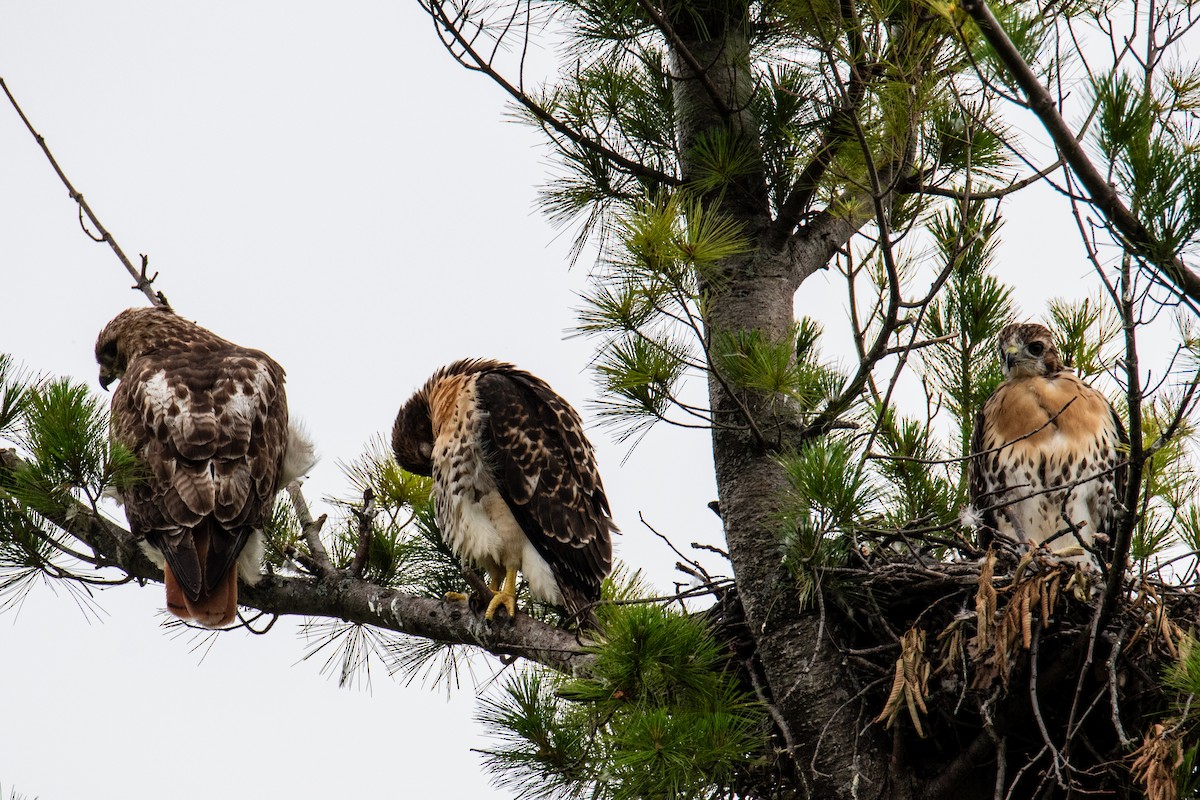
point(209, 419)
point(548, 477)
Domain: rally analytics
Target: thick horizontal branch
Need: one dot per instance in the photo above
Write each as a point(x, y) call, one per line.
point(342, 596)
point(355, 600)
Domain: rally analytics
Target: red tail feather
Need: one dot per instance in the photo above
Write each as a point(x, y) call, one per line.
point(215, 610)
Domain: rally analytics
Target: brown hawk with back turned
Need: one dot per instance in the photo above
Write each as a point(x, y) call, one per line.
point(515, 481)
point(1046, 460)
point(209, 421)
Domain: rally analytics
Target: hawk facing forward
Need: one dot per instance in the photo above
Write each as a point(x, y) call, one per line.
point(515, 481)
point(1045, 456)
point(209, 421)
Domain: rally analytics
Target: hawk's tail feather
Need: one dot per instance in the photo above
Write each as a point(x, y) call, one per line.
point(219, 608)
point(580, 606)
point(201, 572)
point(176, 598)
point(215, 610)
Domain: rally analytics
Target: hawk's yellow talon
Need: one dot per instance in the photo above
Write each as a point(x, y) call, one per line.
point(501, 599)
point(504, 596)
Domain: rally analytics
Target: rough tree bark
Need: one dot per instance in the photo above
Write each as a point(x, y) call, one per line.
point(833, 755)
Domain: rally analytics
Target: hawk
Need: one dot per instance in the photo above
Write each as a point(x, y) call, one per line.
point(1046, 459)
point(208, 420)
point(515, 481)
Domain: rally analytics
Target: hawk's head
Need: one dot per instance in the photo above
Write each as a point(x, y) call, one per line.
point(1027, 350)
point(412, 436)
point(133, 332)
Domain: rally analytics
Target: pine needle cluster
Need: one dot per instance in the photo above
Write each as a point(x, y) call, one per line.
point(660, 716)
point(61, 430)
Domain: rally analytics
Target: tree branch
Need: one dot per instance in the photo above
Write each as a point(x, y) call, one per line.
point(340, 595)
point(838, 130)
point(679, 46)
point(144, 283)
point(1103, 195)
point(479, 63)
point(365, 517)
point(311, 530)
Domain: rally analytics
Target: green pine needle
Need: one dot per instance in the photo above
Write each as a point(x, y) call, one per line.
point(914, 491)
point(14, 390)
point(826, 482)
point(639, 376)
point(536, 753)
point(621, 305)
point(1085, 333)
point(659, 716)
point(788, 367)
point(65, 432)
point(720, 159)
point(1183, 675)
point(376, 469)
point(281, 534)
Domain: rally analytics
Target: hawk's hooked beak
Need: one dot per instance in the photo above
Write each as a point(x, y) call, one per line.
point(1010, 355)
point(106, 378)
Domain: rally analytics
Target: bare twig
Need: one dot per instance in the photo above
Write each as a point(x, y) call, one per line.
point(472, 59)
point(906, 348)
point(1055, 756)
point(143, 283)
point(913, 185)
point(312, 530)
point(1112, 688)
point(365, 517)
point(1123, 541)
point(703, 573)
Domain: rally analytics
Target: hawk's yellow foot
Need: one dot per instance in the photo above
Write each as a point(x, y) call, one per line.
point(504, 596)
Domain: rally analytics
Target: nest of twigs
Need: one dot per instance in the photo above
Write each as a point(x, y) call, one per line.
point(1003, 667)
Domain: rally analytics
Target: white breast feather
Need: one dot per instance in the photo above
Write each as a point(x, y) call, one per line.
point(1039, 517)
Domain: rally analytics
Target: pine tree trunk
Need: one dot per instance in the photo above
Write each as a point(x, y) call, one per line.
point(837, 753)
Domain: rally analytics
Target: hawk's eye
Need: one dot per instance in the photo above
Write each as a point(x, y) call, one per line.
point(108, 352)
point(1036, 349)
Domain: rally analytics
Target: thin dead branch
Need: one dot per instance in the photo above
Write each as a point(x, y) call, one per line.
point(143, 282)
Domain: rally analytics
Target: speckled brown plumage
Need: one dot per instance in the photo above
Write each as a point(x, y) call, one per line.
point(1041, 429)
point(209, 421)
point(516, 482)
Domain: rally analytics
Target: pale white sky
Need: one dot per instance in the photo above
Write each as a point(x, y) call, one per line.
point(321, 181)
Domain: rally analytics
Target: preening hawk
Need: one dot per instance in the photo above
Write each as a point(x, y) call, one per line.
point(515, 481)
point(1046, 455)
point(209, 421)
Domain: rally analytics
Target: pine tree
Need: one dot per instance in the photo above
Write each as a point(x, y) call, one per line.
point(713, 157)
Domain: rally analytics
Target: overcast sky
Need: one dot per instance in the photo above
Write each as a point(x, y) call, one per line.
point(321, 181)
